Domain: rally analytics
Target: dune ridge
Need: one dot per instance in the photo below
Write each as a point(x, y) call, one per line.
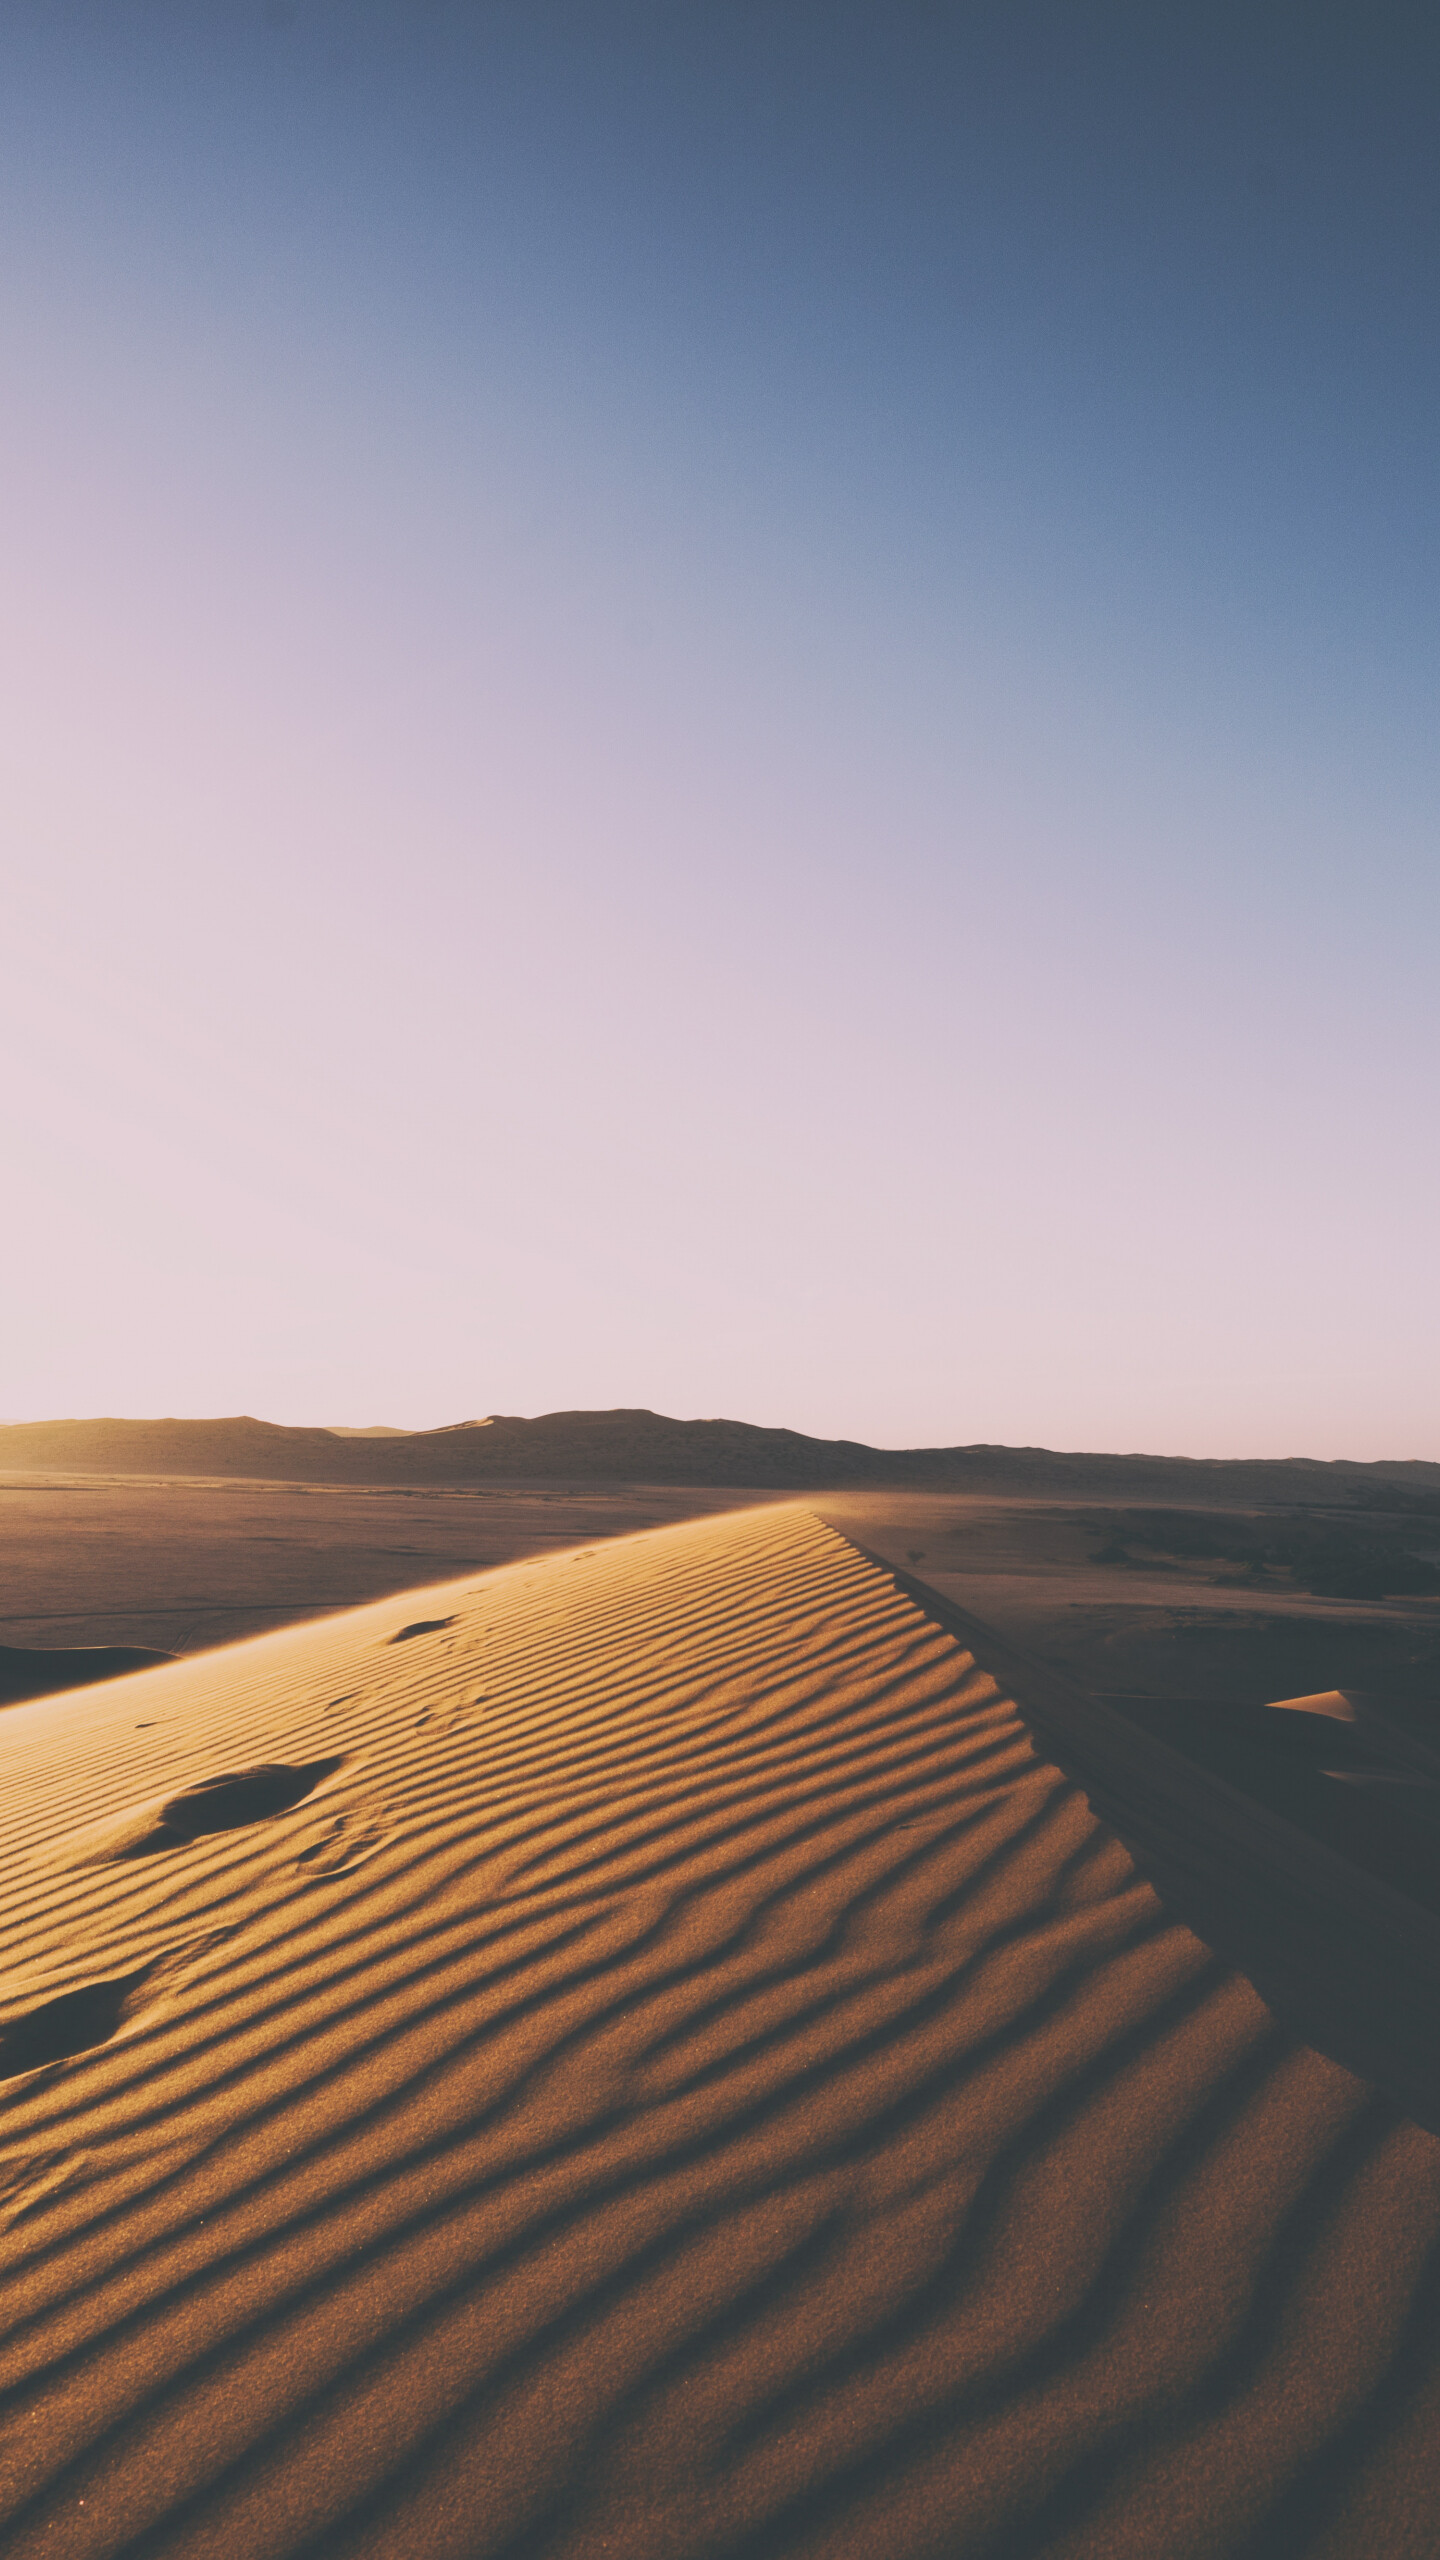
point(633, 1445)
point(685, 2077)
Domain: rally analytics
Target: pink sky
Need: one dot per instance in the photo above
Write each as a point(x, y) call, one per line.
point(536, 882)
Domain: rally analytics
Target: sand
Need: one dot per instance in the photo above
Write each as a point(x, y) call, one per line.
point(1197, 1627)
point(636, 2053)
point(183, 1563)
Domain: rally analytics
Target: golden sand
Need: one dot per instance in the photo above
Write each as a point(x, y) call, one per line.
point(660, 2067)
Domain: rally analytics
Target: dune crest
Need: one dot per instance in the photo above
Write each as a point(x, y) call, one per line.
point(685, 2078)
point(635, 1446)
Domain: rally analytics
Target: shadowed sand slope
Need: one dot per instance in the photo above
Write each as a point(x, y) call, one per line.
point(652, 2062)
point(33, 1671)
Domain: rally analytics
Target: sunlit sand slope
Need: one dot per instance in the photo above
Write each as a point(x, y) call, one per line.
point(648, 2062)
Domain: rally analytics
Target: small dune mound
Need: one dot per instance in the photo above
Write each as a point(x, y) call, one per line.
point(238, 1796)
point(72, 2023)
point(230, 1801)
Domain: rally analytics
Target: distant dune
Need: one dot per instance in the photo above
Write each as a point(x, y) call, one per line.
point(641, 1447)
point(637, 2053)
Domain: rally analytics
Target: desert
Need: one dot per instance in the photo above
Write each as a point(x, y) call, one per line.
point(719, 1416)
point(666, 2038)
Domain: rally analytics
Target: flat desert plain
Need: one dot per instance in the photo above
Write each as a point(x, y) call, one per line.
point(633, 2049)
point(1127, 1597)
point(184, 1562)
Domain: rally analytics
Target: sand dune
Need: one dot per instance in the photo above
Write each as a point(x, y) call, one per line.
point(635, 2053)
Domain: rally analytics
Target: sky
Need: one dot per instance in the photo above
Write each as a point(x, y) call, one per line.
point(725, 707)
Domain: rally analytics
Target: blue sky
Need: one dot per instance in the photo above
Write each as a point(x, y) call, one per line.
point(728, 708)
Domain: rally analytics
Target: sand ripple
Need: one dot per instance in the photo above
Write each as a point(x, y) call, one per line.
point(691, 2081)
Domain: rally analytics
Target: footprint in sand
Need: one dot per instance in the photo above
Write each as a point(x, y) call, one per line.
point(26, 2185)
point(350, 1838)
point(450, 1722)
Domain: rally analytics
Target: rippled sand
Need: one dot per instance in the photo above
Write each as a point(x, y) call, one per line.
point(649, 2061)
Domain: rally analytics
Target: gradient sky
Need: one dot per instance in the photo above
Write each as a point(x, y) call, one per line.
point(728, 707)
